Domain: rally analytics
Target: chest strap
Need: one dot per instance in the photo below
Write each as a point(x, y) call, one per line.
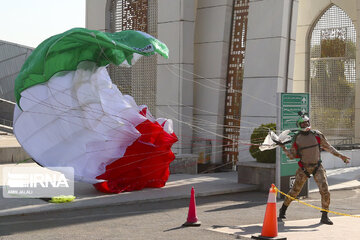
point(315, 145)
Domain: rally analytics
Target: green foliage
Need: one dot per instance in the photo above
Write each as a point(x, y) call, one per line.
point(258, 137)
point(333, 48)
point(332, 118)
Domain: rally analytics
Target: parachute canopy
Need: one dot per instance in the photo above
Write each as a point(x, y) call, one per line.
point(63, 52)
point(70, 114)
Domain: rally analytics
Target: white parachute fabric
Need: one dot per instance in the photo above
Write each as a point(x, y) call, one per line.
point(268, 143)
point(284, 137)
point(271, 141)
point(78, 119)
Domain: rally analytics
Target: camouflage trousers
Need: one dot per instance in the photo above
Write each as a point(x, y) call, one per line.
point(321, 180)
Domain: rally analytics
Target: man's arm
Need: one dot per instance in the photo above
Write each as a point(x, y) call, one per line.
point(329, 148)
point(290, 154)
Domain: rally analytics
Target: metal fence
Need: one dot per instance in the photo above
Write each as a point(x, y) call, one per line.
point(333, 75)
point(6, 122)
point(139, 81)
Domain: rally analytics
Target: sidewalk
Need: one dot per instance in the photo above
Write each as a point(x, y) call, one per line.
point(177, 187)
point(340, 178)
point(307, 229)
point(10, 149)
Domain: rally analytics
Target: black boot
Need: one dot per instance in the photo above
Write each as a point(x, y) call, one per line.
point(282, 212)
point(325, 219)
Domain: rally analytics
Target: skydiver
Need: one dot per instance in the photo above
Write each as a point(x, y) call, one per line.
point(307, 145)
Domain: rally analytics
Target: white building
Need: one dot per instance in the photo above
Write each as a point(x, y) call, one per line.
point(12, 57)
point(229, 59)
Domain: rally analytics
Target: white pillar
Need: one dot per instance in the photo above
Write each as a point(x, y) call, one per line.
point(269, 64)
point(212, 36)
point(176, 20)
point(96, 14)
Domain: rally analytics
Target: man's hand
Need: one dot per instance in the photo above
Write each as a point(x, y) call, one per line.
point(283, 147)
point(345, 159)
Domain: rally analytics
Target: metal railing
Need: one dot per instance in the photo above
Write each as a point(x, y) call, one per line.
point(6, 122)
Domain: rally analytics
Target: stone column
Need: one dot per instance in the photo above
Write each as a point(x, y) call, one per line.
point(96, 14)
point(269, 64)
point(176, 19)
point(212, 36)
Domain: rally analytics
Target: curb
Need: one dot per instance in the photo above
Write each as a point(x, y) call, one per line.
point(78, 205)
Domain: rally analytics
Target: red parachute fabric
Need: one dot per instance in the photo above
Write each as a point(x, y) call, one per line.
point(145, 163)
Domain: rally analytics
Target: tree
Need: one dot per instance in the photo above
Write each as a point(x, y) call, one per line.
point(258, 137)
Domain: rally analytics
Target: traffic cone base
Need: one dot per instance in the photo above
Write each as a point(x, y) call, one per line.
point(266, 238)
point(192, 224)
point(192, 220)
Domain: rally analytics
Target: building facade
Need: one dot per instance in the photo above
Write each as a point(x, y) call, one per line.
point(229, 59)
point(12, 57)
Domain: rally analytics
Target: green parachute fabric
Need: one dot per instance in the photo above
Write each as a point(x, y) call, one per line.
point(63, 52)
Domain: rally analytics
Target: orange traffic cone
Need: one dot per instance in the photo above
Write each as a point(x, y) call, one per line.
point(192, 220)
point(270, 224)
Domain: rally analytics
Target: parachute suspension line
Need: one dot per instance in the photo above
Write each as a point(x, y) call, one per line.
point(205, 130)
point(207, 122)
point(209, 112)
point(224, 87)
point(75, 116)
point(157, 154)
point(43, 103)
point(52, 45)
point(64, 114)
point(205, 111)
point(242, 121)
point(191, 80)
point(97, 111)
point(223, 165)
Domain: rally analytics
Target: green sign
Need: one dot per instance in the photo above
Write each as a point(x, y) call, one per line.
point(291, 104)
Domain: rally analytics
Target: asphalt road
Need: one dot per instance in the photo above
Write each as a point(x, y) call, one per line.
point(163, 220)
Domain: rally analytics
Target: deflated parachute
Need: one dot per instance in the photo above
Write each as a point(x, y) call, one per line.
point(70, 114)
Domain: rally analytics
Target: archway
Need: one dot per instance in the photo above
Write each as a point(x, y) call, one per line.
point(333, 75)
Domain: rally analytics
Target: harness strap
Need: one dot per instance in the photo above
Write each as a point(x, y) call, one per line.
point(304, 170)
point(317, 167)
point(301, 165)
point(315, 145)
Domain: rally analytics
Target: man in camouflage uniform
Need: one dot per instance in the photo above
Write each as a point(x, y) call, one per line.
point(307, 145)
